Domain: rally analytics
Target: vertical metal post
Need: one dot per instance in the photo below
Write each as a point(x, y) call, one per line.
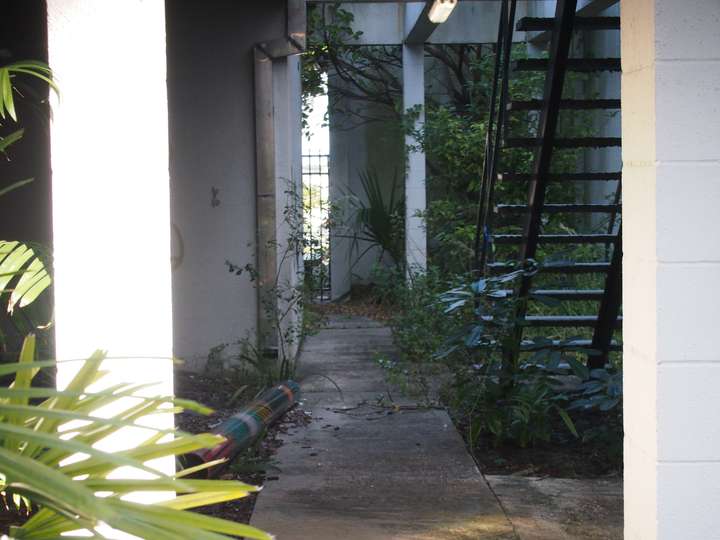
point(485, 180)
point(504, 96)
point(552, 94)
point(609, 308)
point(554, 82)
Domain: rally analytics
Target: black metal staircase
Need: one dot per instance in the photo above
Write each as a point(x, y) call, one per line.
point(531, 240)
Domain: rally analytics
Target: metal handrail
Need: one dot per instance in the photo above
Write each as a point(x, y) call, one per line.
point(479, 244)
point(505, 36)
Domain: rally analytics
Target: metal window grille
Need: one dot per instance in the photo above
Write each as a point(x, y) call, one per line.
point(316, 252)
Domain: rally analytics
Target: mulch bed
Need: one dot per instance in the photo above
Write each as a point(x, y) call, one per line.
point(362, 302)
point(567, 461)
point(253, 467)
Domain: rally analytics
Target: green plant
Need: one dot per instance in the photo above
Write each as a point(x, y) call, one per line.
point(24, 277)
point(282, 300)
point(53, 478)
point(52, 472)
point(377, 218)
point(24, 274)
point(454, 328)
point(602, 390)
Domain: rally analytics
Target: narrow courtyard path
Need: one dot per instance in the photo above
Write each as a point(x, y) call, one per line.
point(361, 471)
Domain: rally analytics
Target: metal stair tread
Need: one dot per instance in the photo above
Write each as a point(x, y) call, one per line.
point(558, 268)
point(564, 294)
point(584, 65)
point(576, 142)
point(573, 104)
point(564, 321)
point(564, 177)
point(556, 208)
point(540, 24)
point(557, 238)
point(527, 344)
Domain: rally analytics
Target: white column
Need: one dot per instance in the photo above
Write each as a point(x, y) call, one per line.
point(414, 99)
point(671, 196)
point(111, 221)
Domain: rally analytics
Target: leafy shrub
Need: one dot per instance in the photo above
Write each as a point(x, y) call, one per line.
point(375, 218)
point(462, 325)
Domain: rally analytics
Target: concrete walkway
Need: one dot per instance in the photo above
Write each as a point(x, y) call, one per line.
point(364, 472)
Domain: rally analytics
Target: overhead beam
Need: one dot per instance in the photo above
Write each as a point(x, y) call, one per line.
point(418, 26)
point(382, 1)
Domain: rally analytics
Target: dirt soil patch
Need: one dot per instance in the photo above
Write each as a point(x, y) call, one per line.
point(563, 457)
point(361, 302)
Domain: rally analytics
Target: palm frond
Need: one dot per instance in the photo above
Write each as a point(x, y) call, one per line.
point(9, 72)
point(36, 444)
point(377, 216)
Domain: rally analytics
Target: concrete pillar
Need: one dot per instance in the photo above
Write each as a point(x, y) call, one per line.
point(287, 113)
point(415, 196)
point(278, 110)
point(110, 195)
point(671, 196)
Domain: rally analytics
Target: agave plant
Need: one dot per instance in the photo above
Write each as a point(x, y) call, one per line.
point(51, 468)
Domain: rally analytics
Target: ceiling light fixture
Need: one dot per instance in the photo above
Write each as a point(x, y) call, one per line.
point(441, 10)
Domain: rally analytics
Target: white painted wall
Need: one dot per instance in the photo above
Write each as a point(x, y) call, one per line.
point(212, 135)
point(356, 146)
point(671, 163)
point(348, 154)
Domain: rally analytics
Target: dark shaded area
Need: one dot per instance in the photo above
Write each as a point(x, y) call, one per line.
point(599, 455)
point(26, 214)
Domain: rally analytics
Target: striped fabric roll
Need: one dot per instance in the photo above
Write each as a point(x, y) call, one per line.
point(241, 429)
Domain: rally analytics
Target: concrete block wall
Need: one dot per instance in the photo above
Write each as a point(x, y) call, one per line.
point(671, 183)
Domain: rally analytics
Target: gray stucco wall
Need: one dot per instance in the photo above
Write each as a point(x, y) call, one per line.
point(212, 146)
point(357, 146)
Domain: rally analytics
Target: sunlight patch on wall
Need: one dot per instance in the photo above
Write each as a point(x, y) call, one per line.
point(110, 195)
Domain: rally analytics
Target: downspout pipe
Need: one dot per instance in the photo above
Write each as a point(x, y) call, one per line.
point(265, 52)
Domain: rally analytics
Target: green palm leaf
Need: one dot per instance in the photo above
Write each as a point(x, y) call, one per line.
point(34, 440)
